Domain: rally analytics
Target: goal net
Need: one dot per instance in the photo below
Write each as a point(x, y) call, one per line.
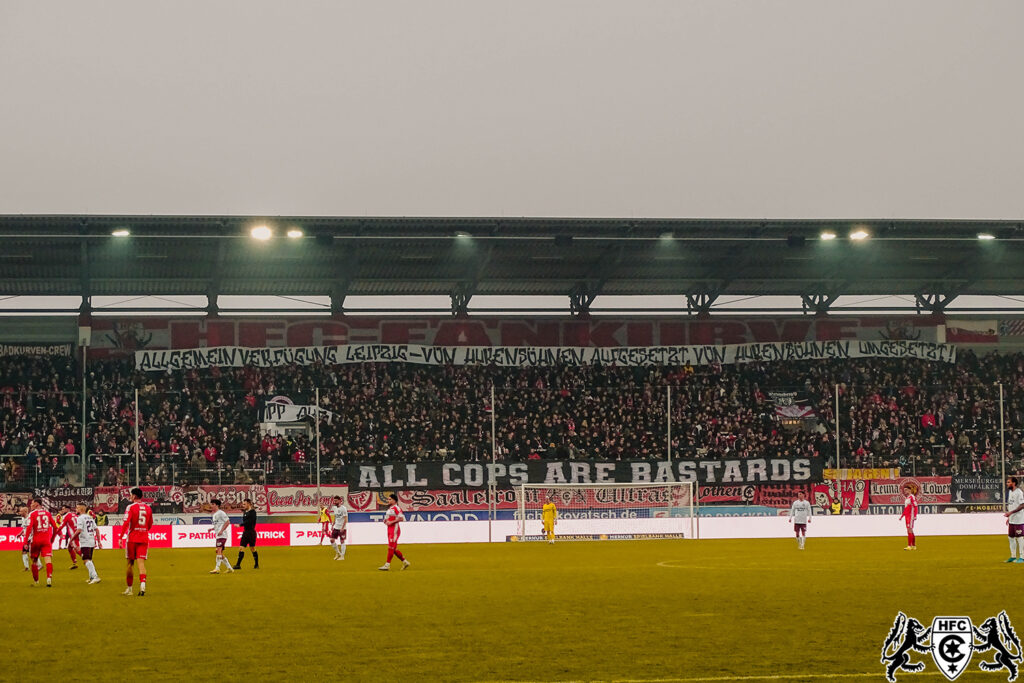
point(608, 511)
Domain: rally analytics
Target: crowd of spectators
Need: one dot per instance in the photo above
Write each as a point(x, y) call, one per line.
point(203, 426)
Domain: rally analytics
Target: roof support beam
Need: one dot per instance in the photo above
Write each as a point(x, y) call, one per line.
point(213, 286)
point(466, 288)
point(581, 297)
point(460, 300)
point(700, 301)
point(934, 303)
point(346, 262)
point(85, 279)
point(818, 303)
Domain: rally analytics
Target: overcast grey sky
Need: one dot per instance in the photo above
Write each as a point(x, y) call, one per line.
point(716, 108)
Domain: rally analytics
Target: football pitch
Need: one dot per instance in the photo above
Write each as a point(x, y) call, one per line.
point(614, 610)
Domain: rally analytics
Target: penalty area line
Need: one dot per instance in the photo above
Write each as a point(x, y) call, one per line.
point(670, 564)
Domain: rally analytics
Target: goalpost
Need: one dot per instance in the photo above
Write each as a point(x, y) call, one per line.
point(609, 511)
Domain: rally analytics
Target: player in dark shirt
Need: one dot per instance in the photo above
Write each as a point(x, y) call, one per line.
point(248, 535)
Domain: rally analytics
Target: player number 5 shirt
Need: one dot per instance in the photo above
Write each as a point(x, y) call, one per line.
point(138, 519)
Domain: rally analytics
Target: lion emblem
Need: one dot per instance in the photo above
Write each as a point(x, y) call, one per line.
point(907, 636)
point(997, 634)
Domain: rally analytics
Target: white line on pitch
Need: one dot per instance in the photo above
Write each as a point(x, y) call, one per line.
point(880, 675)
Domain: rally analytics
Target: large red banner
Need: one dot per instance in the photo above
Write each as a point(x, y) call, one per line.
point(301, 499)
point(851, 493)
point(929, 490)
point(125, 336)
point(724, 493)
point(612, 497)
point(462, 499)
point(107, 498)
point(779, 495)
point(197, 499)
point(362, 501)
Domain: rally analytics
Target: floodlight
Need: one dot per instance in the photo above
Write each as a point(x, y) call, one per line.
point(261, 232)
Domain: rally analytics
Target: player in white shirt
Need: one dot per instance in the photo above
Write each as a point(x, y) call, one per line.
point(221, 530)
point(1015, 519)
point(88, 536)
point(23, 510)
point(800, 516)
point(339, 528)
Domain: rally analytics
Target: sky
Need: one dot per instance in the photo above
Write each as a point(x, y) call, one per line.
point(586, 108)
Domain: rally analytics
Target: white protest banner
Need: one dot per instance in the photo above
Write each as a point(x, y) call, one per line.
point(517, 356)
point(289, 412)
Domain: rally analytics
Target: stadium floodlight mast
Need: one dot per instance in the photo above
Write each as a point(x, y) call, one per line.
point(121, 232)
point(316, 416)
point(859, 234)
point(827, 235)
point(986, 236)
point(294, 233)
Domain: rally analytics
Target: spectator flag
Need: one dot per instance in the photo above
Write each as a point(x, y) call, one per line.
point(972, 331)
point(791, 405)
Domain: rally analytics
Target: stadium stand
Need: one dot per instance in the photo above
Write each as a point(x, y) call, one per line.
point(203, 426)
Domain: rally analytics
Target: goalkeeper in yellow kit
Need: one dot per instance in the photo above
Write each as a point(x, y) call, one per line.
point(324, 517)
point(550, 516)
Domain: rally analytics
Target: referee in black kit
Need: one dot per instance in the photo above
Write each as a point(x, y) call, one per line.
point(248, 535)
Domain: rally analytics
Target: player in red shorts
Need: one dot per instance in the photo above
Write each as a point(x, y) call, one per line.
point(138, 520)
point(392, 518)
point(40, 532)
point(910, 514)
point(69, 522)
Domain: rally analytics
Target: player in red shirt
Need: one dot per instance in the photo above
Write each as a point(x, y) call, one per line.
point(910, 514)
point(40, 532)
point(69, 521)
point(138, 520)
point(392, 518)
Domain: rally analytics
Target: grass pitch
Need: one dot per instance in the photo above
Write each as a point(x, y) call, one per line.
point(616, 610)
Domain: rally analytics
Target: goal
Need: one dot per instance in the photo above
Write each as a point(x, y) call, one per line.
point(609, 511)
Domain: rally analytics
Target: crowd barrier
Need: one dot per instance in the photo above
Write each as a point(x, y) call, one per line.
point(372, 533)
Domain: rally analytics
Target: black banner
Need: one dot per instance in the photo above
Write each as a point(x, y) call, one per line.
point(966, 489)
point(463, 475)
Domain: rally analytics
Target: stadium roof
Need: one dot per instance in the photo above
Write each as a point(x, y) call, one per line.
point(211, 256)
